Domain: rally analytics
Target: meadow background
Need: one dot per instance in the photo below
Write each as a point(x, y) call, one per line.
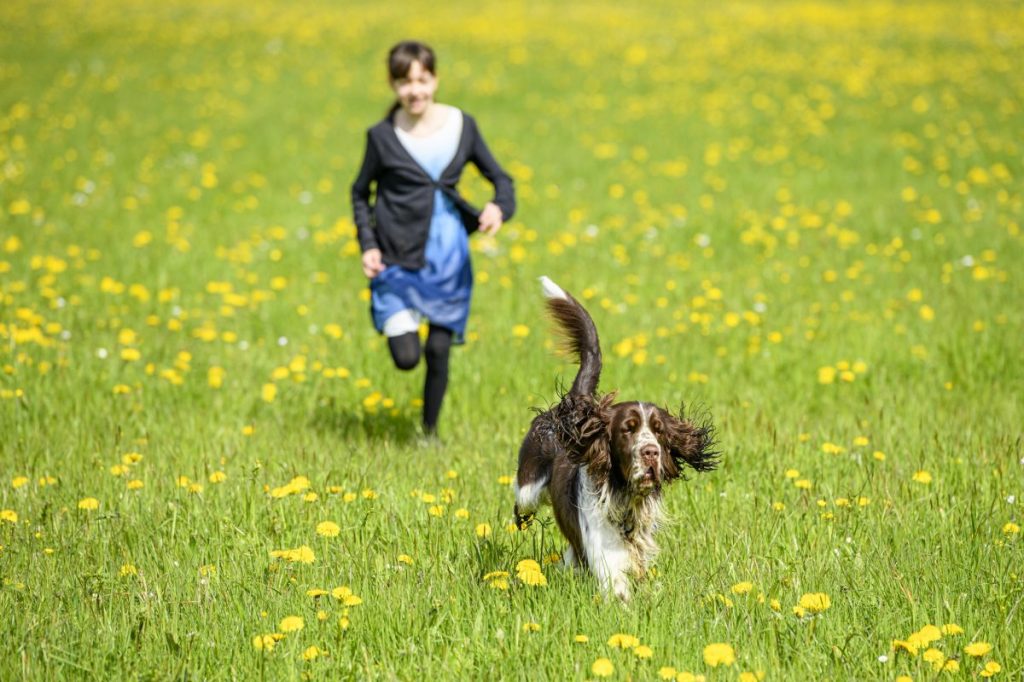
point(800, 218)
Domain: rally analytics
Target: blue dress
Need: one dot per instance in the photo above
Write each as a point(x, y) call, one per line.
point(439, 291)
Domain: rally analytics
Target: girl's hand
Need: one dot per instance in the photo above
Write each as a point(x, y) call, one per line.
point(490, 218)
point(372, 264)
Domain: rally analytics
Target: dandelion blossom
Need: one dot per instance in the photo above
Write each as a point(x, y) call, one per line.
point(991, 668)
point(602, 667)
point(922, 477)
point(977, 649)
point(328, 529)
point(623, 641)
point(89, 504)
point(719, 653)
point(816, 602)
point(301, 555)
point(291, 624)
point(263, 642)
point(9, 515)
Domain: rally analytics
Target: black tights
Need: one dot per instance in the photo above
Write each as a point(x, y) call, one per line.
point(405, 351)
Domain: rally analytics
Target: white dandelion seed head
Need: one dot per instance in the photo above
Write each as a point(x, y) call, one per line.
point(102, 353)
point(883, 659)
point(282, 341)
point(760, 307)
point(1011, 499)
point(703, 240)
point(305, 197)
point(243, 345)
point(967, 261)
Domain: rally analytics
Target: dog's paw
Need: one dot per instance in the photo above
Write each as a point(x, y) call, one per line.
point(620, 588)
point(523, 521)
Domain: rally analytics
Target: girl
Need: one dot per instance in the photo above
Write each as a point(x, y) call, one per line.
point(414, 237)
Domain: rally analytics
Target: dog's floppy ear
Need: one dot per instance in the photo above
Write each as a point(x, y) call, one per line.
point(583, 428)
point(688, 444)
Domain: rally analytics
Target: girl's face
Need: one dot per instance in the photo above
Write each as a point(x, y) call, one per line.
point(415, 90)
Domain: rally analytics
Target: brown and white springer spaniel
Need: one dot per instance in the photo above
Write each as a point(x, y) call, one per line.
point(601, 464)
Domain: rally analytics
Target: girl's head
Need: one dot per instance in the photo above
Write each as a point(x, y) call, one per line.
point(412, 75)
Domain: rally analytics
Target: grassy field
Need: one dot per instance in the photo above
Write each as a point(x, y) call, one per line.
point(802, 218)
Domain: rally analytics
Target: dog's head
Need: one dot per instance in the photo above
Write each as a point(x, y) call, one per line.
point(640, 446)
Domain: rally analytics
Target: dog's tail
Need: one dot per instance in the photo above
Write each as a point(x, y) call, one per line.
point(580, 335)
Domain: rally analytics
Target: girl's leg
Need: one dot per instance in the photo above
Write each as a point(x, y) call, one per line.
point(405, 350)
point(439, 342)
point(402, 330)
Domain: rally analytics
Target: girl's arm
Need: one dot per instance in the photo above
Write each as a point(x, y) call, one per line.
point(504, 192)
point(362, 215)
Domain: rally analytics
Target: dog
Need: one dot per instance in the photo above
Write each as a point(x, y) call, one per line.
point(602, 464)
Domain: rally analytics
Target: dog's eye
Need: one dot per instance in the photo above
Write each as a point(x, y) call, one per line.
point(630, 425)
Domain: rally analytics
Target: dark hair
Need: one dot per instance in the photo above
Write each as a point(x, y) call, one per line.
point(400, 60)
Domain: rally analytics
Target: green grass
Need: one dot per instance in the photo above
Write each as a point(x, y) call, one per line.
point(744, 196)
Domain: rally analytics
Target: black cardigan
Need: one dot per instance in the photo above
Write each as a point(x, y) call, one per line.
point(398, 222)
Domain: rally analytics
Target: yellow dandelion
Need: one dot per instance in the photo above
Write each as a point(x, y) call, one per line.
point(405, 559)
point(1011, 528)
point(623, 641)
point(719, 653)
point(816, 602)
point(991, 668)
point(89, 504)
point(742, 588)
point(312, 653)
point(263, 642)
point(268, 392)
point(531, 627)
point(581, 639)
point(922, 477)
point(483, 530)
point(977, 649)
point(9, 515)
point(602, 667)
point(291, 624)
point(328, 529)
point(643, 651)
point(301, 555)
point(218, 477)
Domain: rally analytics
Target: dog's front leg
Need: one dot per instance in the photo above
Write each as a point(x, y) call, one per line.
point(607, 555)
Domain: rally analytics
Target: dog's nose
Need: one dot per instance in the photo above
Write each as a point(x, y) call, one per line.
point(650, 451)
